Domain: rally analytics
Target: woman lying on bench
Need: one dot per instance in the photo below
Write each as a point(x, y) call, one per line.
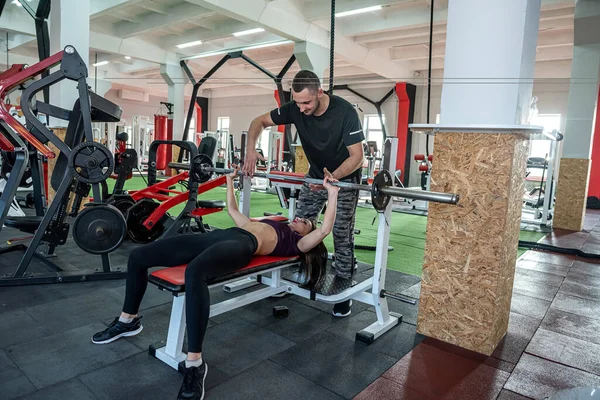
point(208, 256)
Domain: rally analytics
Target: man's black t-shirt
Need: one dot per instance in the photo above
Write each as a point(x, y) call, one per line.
point(324, 138)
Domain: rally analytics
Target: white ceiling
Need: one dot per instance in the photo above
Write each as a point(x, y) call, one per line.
point(379, 46)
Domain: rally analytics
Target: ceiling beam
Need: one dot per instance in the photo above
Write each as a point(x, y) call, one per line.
point(283, 18)
point(151, 21)
point(156, 7)
point(223, 30)
point(100, 8)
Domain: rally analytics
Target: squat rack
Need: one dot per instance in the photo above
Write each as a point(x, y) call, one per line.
point(233, 55)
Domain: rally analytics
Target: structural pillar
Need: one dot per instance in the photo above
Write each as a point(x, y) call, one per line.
point(69, 25)
point(175, 79)
point(481, 150)
point(575, 164)
point(312, 57)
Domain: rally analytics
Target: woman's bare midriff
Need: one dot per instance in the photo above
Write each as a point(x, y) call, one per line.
point(265, 235)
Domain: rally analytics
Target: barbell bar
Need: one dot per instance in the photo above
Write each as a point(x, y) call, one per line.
point(381, 190)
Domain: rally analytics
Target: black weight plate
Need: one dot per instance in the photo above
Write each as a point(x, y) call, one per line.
point(99, 229)
point(136, 215)
point(91, 162)
point(201, 160)
point(122, 201)
point(378, 199)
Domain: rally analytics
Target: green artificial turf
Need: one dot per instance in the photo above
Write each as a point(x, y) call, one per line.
point(407, 233)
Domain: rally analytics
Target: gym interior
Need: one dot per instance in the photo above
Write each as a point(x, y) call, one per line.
point(476, 234)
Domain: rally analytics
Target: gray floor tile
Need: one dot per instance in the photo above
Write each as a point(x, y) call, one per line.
point(542, 256)
point(146, 377)
point(566, 350)
point(276, 382)
point(237, 345)
point(74, 312)
point(538, 378)
point(520, 330)
point(590, 268)
point(152, 298)
point(577, 305)
point(580, 290)
point(538, 277)
point(583, 279)
point(13, 382)
point(537, 290)
point(62, 356)
point(17, 327)
point(530, 306)
point(561, 270)
point(71, 389)
point(572, 325)
point(413, 291)
point(508, 395)
point(335, 363)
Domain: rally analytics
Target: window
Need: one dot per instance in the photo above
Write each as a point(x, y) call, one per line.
point(223, 128)
point(372, 129)
point(550, 122)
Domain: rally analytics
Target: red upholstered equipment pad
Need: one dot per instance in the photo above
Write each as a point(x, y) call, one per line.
point(173, 279)
point(276, 218)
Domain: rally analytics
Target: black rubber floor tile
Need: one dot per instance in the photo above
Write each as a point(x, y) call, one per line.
point(566, 350)
point(62, 356)
point(550, 258)
point(548, 268)
point(538, 378)
point(17, 327)
point(520, 331)
point(71, 389)
point(537, 290)
point(572, 325)
point(342, 366)
point(152, 298)
point(580, 290)
point(141, 377)
point(13, 382)
point(236, 345)
point(274, 382)
point(529, 306)
point(395, 343)
point(583, 279)
point(528, 275)
point(414, 291)
point(74, 312)
point(301, 323)
point(20, 297)
point(577, 305)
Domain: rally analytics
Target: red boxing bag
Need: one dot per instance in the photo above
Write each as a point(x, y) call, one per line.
point(169, 148)
point(198, 125)
point(160, 133)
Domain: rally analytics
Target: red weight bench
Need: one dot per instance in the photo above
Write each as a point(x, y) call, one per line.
point(173, 280)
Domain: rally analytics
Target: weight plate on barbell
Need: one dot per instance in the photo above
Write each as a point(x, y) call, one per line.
point(198, 163)
point(136, 216)
point(91, 162)
point(99, 229)
point(378, 199)
point(122, 201)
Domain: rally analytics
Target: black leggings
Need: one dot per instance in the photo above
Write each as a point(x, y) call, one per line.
point(207, 255)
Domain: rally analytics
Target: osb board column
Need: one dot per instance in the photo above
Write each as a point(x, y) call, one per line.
point(301, 164)
point(571, 193)
point(471, 248)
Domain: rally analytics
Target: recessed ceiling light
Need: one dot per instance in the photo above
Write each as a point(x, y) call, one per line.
point(358, 11)
point(249, 32)
point(101, 63)
point(189, 44)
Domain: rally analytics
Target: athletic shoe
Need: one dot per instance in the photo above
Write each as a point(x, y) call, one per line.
point(342, 309)
point(118, 329)
point(192, 387)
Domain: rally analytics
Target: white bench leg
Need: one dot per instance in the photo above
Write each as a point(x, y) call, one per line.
point(172, 353)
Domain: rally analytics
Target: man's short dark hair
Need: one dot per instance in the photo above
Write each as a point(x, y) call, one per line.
point(306, 79)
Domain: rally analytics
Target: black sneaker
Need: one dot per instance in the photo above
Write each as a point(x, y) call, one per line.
point(342, 309)
point(192, 387)
point(117, 330)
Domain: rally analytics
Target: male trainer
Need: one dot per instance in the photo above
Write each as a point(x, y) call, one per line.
point(331, 135)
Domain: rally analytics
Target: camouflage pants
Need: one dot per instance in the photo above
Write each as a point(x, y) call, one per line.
point(310, 204)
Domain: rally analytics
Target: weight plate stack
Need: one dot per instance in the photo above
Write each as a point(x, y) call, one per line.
point(99, 229)
point(136, 216)
point(378, 199)
point(91, 162)
point(122, 201)
point(197, 164)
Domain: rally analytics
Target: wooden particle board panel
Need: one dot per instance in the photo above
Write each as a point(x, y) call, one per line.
point(301, 163)
point(60, 132)
point(571, 193)
point(470, 250)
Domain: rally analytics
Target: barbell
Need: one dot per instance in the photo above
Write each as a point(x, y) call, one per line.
point(382, 189)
